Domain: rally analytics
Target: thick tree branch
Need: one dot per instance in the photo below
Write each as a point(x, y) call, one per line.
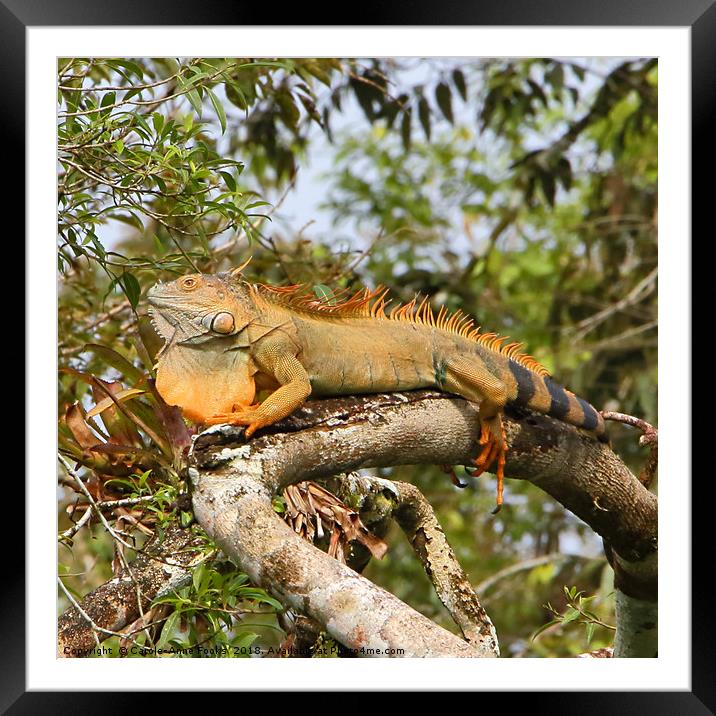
point(423, 427)
point(234, 482)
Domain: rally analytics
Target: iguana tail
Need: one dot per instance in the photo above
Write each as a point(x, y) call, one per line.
point(543, 395)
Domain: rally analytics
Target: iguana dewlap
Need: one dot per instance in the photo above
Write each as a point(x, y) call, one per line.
point(226, 339)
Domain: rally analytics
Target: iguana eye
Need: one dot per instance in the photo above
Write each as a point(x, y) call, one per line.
point(222, 323)
point(189, 283)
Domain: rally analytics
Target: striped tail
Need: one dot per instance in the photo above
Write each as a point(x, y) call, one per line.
point(543, 395)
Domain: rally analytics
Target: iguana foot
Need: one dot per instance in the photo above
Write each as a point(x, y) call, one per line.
point(247, 416)
point(493, 440)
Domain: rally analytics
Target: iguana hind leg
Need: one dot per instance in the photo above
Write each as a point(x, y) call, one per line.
point(474, 382)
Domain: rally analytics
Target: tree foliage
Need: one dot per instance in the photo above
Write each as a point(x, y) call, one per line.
point(521, 191)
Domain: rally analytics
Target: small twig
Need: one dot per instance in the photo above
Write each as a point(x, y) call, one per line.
point(93, 503)
point(586, 618)
point(362, 255)
point(102, 319)
point(115, 535)
point(139, 103)
point(66, 67)
point(77, 526)
point(642, 289)
point(613, 341)
point(97, 506)
point(119, 88)
point(144, 624)
point(649, 438)
point(523, 566)
point(113, 532)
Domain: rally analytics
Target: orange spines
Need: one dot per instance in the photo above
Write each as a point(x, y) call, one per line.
point(424, 313)
point(377, 308)
point(404, 312)
point(372, 304)
point(364, 303)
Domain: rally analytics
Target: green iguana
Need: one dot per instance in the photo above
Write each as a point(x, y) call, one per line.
point(227, 339)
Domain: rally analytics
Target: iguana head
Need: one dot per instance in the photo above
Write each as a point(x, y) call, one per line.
point(198, 307)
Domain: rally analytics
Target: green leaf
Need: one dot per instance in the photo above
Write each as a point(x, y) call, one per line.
point(197, 576)
point(243, 640)
point(236, 96)
point(405, 128)
point(590, 631)
point(254, 204)
point(537, 92)
point(443, 97)
point(261, 597)
point(195, 101)
point(142, 128)
point(158, 122)
point(131, 288)
point(107, 100)
point(229, 181)
point(130, 218)
point(131, 93)
point(555, 77)
point(458, 79)
point(203, 240)
point(289, 111)
point(544, 627)
point(325, 294)
point(578, 71)
point(218, 108)
point(168, 629)
point(424, 116)
point(548, 186)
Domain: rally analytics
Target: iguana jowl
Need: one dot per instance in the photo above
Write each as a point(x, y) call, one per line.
point(227, 339)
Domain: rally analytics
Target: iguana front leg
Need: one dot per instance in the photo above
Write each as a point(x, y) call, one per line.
point(474, 382)
point(276, 359)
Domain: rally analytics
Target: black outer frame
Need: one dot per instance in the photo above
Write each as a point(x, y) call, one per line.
point(700, 15)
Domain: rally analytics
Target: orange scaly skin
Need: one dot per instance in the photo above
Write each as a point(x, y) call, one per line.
point(227, 339)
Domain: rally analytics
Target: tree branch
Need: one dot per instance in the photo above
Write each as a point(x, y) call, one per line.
point(163, 567)
point(235, 510)
point(383, 499)
point(417, 519)
point(234, 482)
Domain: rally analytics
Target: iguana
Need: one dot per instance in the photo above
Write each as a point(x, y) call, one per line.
point(226, 339)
